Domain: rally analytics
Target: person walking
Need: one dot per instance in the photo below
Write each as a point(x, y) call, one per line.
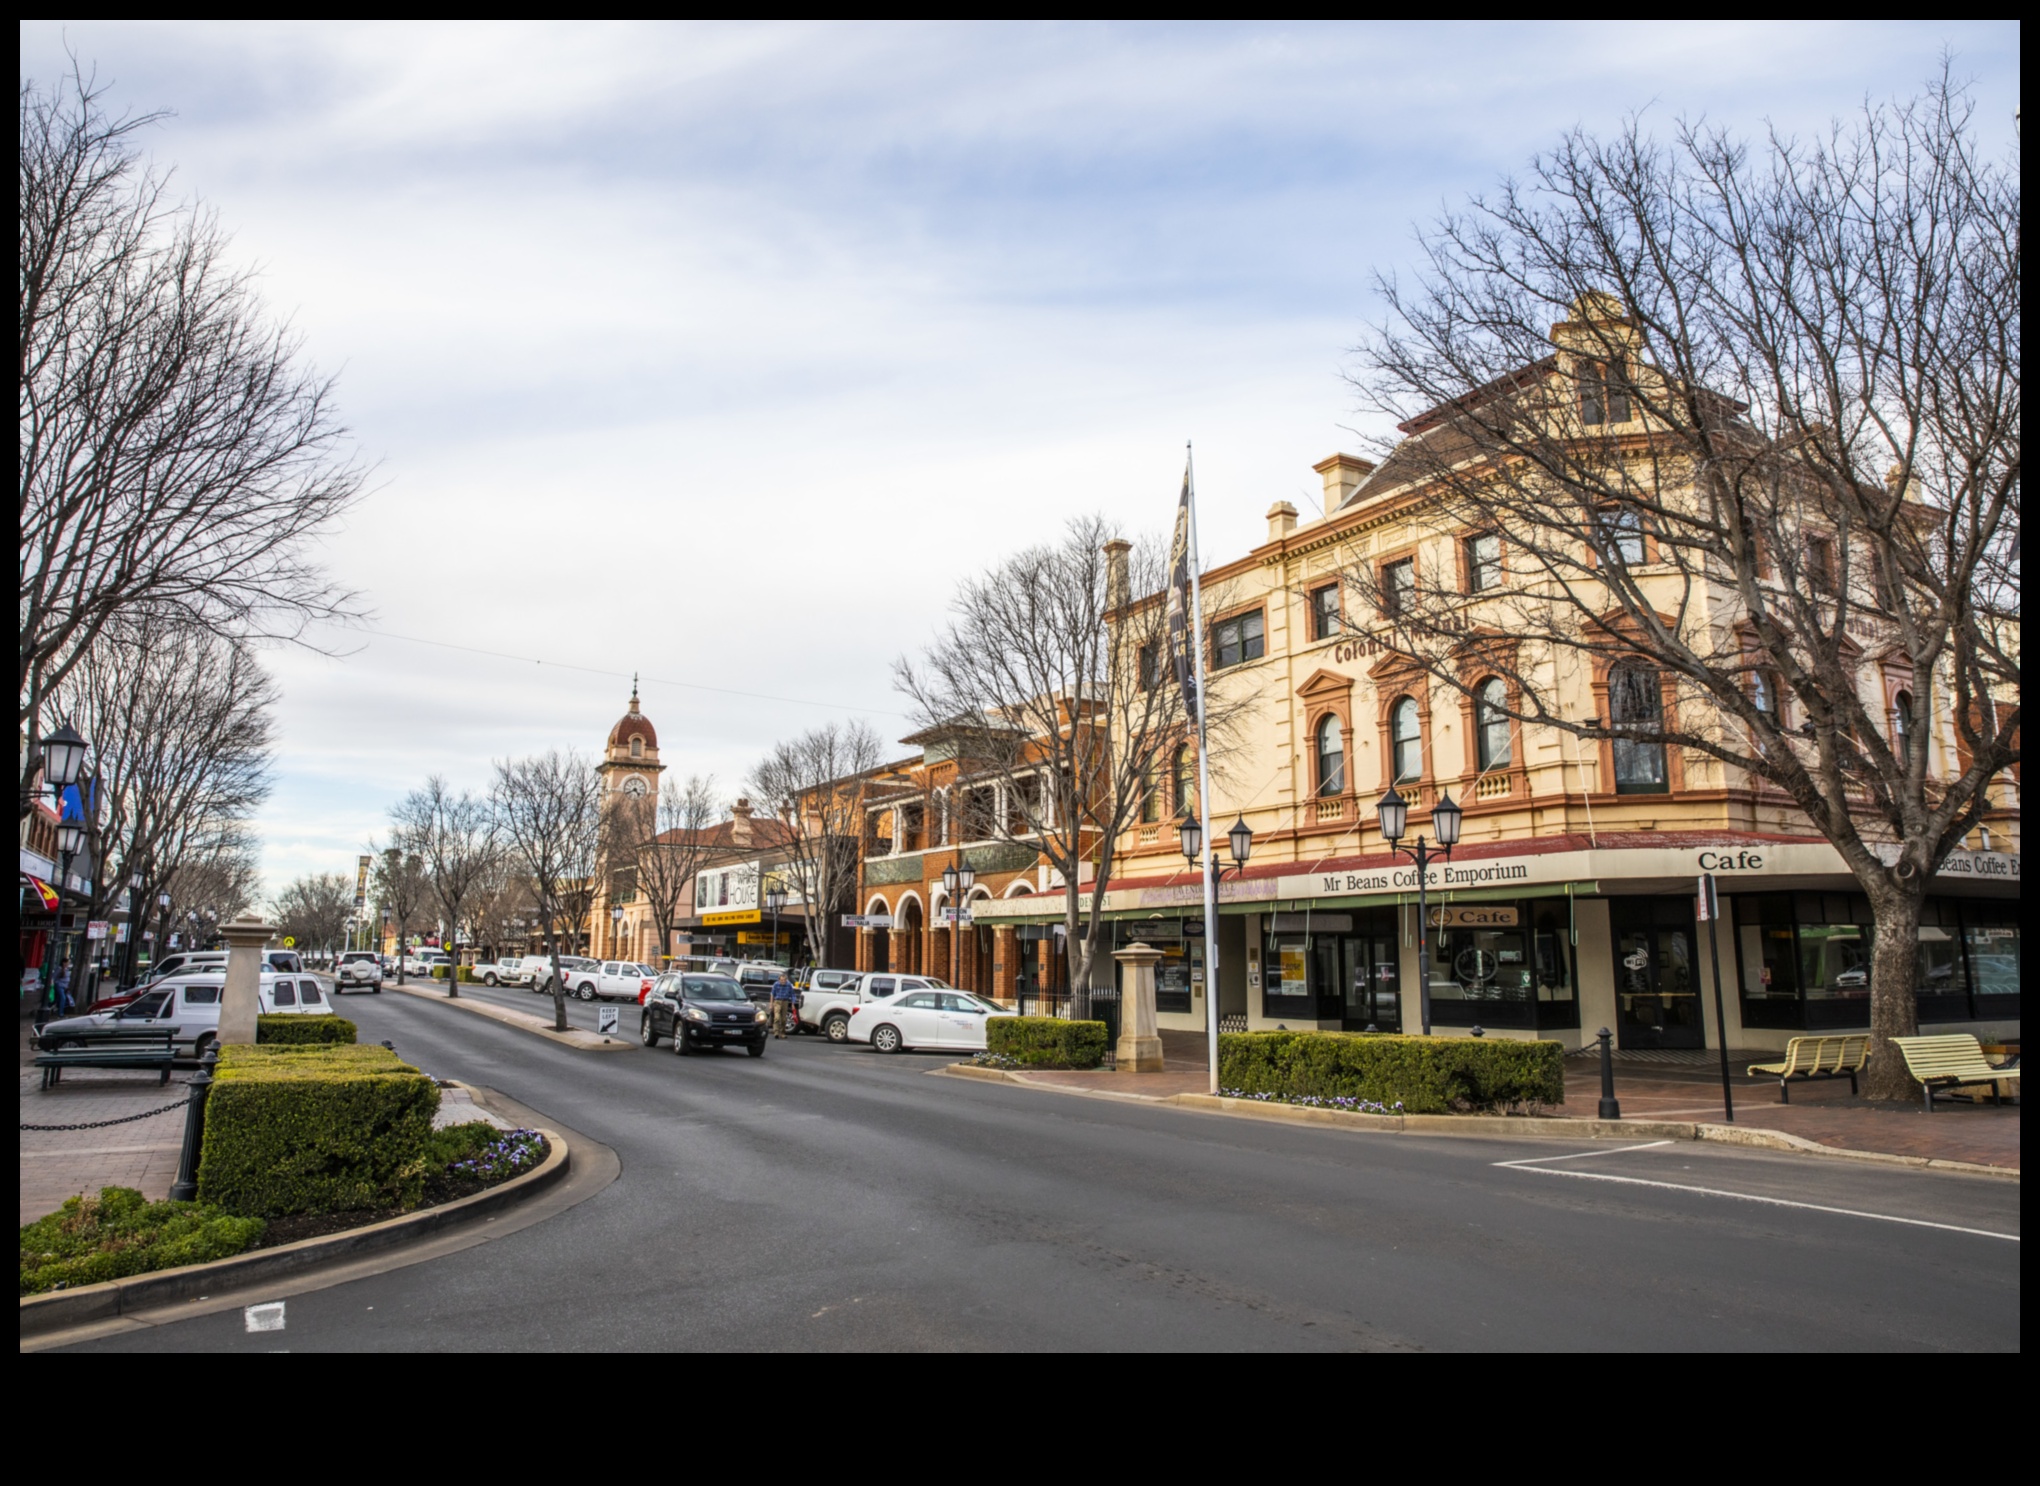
point(782, 1005)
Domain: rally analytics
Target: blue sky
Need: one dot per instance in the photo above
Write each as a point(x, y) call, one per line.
point(716, 352)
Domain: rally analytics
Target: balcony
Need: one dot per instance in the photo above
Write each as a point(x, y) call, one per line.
point(1496, 786)
point(1330, 811)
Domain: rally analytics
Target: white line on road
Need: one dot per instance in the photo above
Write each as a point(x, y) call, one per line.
point(1614, 1150)
point(1812, 1207)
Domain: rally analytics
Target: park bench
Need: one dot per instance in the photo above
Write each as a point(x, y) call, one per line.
point(1950, 1061)
point(121, 1047)
point(1818, 1057)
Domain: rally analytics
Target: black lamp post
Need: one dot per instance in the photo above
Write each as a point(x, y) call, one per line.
point(1394, 813)
point(1240, 839)
point(956, 881)
point(615, 930)
point(63, 760)
point(775, 899)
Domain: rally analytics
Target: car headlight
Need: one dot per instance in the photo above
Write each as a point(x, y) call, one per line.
point(759, 1015)
point(695, 1014)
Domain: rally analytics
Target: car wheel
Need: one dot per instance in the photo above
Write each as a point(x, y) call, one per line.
point(198, 1047)
point(837, 1029)
point(680, 1047)
point(886, 1039)
point(755, 1049)
point(647, 1033)
point(489, 980)
point(587, 993)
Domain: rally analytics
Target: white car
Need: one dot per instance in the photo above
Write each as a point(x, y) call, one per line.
point(541, 968)
point(424, 962)
point(191, 1004)
point(512, 970)
point(612, 980)
point(359, 969)
point(945, 1019)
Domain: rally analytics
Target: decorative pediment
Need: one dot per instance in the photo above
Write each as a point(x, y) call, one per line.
point(1326, 686)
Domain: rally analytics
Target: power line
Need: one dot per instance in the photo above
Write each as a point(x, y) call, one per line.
point(560, 665)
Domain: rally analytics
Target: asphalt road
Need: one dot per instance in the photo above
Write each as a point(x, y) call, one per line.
point(826, 1197)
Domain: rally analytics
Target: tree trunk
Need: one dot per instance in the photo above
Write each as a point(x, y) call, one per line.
point(559, 987)
point(403, 938)
point(1894, 979)
point(1073, 945)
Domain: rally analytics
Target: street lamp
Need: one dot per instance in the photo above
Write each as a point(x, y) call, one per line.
point(956, 880)
point(615, 926)
point(1240, 839)
point(1393, 812)
point(775, 899)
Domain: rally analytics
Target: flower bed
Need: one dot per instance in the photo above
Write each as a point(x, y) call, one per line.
point(120, 1232)
point(1349, 1103)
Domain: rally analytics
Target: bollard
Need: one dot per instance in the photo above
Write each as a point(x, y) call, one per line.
point(1610, 1110)
point(185, 1188)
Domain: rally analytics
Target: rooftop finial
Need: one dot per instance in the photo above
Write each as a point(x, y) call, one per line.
point(633, 691)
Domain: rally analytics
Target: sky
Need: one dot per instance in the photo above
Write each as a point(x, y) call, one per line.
point(719, 353)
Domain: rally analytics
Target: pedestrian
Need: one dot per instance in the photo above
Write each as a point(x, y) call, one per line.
point(782, 1005)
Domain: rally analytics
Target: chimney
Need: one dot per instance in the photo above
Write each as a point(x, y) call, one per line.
point(740, 822)
point(1118, 587)
point(1281, 520)
point(1343, 474)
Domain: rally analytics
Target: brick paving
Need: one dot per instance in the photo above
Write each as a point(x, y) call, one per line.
point(1821, 1111)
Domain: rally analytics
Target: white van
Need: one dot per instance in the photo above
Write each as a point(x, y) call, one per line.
point(191, 1004)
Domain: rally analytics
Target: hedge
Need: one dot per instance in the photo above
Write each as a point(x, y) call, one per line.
point(333, 1128)
point(466, 976)
point(1425, 1075)
point(1046, 1041)
point(120, 1232)
point(286, 1031)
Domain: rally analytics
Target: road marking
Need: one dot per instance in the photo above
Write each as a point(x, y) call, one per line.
point(1812, 1207)
point(1614, 1150)
point(264, 1317)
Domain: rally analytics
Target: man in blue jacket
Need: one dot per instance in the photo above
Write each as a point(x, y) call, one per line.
point(782, 1005)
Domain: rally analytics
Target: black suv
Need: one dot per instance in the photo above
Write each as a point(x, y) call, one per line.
point(699, 1012)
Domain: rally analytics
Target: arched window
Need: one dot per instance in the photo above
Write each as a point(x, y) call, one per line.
point(1491, 723)
point(1636, 704)
point(1150, 797)
point(1902, 725)
point(1331, 758)
point(1406, 737)
point(637, 748)
point(1179, 780)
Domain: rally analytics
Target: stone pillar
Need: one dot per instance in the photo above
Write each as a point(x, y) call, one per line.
point(1140, 1036)
point(936, 961)
point(1005, 964)
point(241, 1002)
point(863, 950)
point(899, 947)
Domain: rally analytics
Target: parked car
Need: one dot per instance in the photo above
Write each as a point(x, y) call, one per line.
point(701, 1012)
point(425, 961)
point(611, 980)
point(828, 1010)
point(944, 1019)
point(359, 969)
point(191, 1004)
point(541, 967)
point(511, 970)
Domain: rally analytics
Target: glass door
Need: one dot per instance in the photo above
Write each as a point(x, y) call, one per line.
point(1371, 982)
point(1657, 993)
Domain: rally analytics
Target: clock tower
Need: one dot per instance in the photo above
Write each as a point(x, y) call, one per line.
point(630, 771)
point(630, 765)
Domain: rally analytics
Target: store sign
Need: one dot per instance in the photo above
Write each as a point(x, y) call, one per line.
point(726, 888)
point(763, 936)
point(733, 916)
point(1484, 916)
point(867, 920)
point(98, 928)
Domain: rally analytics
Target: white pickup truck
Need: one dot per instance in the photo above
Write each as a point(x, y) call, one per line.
point(610, 980)
point(826, 1009)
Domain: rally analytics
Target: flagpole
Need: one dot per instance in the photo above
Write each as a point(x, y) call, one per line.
point(1195, 640)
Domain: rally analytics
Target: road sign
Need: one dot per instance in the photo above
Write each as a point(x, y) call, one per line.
point(605, 1020)
point(290, 941)
point(951, 916)
point(98, 928)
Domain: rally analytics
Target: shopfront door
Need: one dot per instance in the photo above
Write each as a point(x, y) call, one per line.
point(1657, 986)
point(1355, 979)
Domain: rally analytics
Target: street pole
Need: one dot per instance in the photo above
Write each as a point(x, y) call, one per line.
point(1393, 814)
point(1710, 914)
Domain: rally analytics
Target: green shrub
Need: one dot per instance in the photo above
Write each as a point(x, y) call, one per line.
point(120, 1233)
point(292, 1031)
point(1425, 1075)
point(1046, 1041)
point(322, 1129)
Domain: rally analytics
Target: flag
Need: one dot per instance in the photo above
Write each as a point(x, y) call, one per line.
point(1180, 636)
point(48, 894)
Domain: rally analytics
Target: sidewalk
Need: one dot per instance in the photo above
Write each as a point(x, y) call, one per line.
point(1822, 1111)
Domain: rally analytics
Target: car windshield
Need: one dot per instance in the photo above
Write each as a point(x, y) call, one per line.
point(711, 988)
point(987, 1005)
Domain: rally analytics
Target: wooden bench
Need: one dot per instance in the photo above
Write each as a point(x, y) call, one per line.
point(1949, 1061)
point(154, 1047)
point(1819, 1057)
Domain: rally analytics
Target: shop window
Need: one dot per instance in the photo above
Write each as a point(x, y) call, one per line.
point(1241, 638)
point(1993, 954)
point(1636, 704)
point(1331, 758)
point(1398, 586)
point(1483, 562)
point(1498, 965)
point(1406, 739)
point(1324, 612)
point(1491, 723)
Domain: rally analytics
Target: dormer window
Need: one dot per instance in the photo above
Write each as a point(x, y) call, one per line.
point(1604, 392)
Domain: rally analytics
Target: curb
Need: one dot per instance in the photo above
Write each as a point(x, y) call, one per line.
point(523, 1021)
point(64, 1309)
point(1534, 1126)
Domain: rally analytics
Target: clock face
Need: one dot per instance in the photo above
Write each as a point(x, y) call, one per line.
point(635, 785)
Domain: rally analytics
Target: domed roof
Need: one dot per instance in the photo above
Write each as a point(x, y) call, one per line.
point(633, 724)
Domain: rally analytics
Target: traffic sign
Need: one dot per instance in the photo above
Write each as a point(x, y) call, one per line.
point(605, 1020)
point(290, 941)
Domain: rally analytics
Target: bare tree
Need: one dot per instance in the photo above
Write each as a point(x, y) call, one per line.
point(402, 887)
point(176, 459)
point(815, 784)
point(1051, 683)
point(549, 813)
point(456, 836)
point(1773, 453)
point(314, 910)
point(216, 881)
point(656, 848)
point(503, 911)
point(180, 725)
